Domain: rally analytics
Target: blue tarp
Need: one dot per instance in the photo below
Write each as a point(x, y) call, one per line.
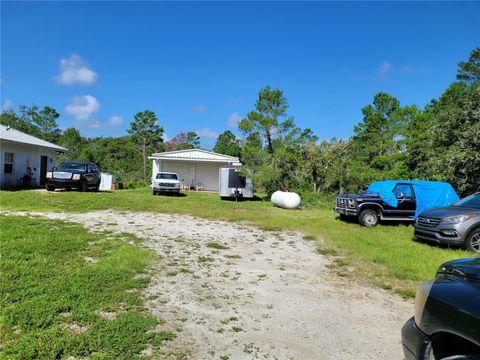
point(428, 194)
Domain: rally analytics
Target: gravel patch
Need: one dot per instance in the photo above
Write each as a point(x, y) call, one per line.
point(231, 290)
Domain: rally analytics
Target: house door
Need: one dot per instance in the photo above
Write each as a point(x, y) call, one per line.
point(43, 169)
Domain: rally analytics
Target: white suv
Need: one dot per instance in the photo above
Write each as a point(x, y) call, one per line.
point(166, 182)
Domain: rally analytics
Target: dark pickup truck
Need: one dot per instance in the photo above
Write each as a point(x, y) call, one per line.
point(370, 208)
point(446, 324)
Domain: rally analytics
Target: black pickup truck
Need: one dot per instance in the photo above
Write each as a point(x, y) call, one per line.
point(446, 324)
point(370, 208)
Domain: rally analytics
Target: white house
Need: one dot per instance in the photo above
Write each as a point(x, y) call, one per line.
point(22, 154)
point(195, 167)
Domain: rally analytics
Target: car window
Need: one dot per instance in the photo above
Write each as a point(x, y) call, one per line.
point(472, 201)
point(71, 167)
point(167, 176)
point(403, 190)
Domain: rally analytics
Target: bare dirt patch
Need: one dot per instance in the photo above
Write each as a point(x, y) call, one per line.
point(232, 291)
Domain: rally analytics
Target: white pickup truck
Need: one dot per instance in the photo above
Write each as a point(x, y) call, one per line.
point(166, 182)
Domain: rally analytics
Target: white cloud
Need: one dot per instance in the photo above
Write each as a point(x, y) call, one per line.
point(206, 132)
point(82, 107)
point(199, 108)
point(234, 119)
point(7, 105)
point(75, 70)
point(94, 124)
point(115, 120)
point(384, 69)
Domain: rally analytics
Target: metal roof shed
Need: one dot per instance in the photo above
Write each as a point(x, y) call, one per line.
point(195, 167)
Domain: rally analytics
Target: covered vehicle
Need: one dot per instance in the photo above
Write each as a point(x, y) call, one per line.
point(394, 200)
point(446, 324)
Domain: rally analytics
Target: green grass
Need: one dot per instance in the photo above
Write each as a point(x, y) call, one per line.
point(385, 256)
point(217, 246)
point(58, 280)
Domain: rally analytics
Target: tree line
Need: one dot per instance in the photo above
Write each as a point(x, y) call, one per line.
point(440, 141)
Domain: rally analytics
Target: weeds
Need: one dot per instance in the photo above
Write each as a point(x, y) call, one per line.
point(53, 300)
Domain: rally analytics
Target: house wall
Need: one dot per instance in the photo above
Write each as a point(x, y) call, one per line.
point(24, 156)
point(193, 173)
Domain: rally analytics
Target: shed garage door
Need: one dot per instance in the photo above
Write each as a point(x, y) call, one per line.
point(207, 174)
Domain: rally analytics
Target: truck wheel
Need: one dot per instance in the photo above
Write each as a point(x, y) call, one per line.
point(368, 218)
point(97, 186)
point(154, 192)
point(473, 241)
point(50, 187)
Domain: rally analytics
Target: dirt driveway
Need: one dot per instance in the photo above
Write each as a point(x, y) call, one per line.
point(230, 291)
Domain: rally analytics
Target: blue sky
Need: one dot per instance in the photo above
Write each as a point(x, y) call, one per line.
point(199, 65)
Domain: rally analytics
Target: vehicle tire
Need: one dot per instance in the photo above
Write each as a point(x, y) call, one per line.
point(97, 186)
point(473, 241)
point(50, 187)
point(83, 186)
point(368, 218)
point(343, 217)
point(429, 355)
point(154, 192)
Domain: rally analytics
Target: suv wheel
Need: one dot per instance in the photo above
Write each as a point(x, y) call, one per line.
point(473, 241)
point(97, 186)
point(83, 186)
point(368, 218)
point(50, 187)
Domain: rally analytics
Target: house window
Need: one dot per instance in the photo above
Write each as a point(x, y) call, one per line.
point(8, 163)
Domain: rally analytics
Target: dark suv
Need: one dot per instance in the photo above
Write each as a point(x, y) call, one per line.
point(74, 174)
point(446, 324)
point(369, 208)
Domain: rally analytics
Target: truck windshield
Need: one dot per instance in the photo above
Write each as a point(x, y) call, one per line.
point(167, 176)
point(472, 201)
point(71, 167)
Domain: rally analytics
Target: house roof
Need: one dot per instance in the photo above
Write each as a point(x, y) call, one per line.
point(10, 134)
point(195, 155)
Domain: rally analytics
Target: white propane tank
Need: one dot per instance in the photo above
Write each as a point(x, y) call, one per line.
point(285, 199)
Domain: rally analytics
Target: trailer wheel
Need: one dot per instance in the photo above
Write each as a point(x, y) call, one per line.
point(368, 218)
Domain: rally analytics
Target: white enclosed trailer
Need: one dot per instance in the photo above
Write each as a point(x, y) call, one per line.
point(233, 185)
